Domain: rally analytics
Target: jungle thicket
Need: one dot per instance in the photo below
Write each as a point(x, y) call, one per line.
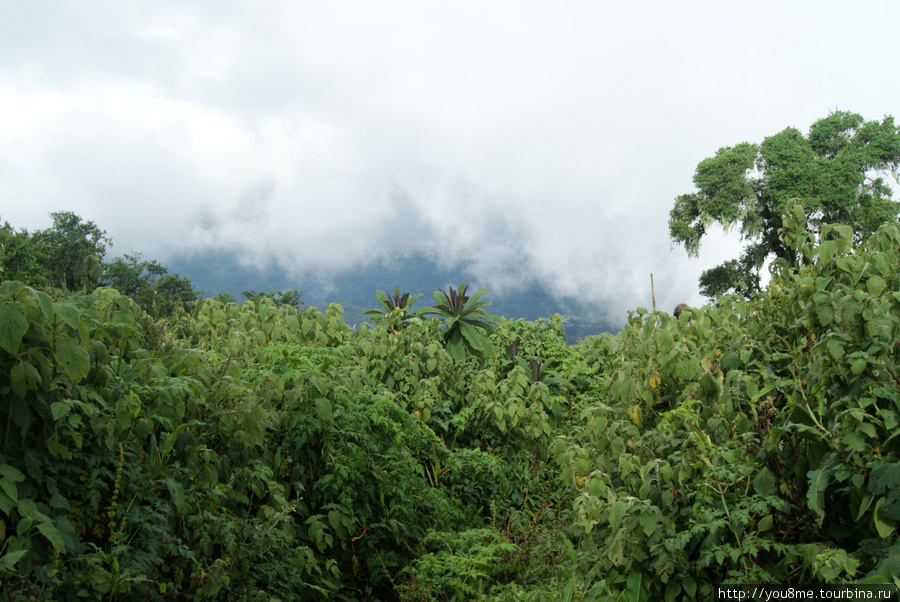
point(266, 452)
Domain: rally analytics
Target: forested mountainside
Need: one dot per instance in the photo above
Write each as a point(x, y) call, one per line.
point(417, 272)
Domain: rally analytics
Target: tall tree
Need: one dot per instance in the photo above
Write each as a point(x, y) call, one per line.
point(62, 248)
point(18, 258)
point(837, 172)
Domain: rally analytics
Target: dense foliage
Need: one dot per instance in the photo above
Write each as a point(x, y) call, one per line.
point(60, 256)
point(148, 283)
point(70, 256)
point(837, 172)
point(261, 452)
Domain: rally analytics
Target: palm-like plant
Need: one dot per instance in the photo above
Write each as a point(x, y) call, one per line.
point(392, 303)
point(467, 325)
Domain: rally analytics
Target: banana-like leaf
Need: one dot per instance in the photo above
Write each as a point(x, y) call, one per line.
point(474, 338)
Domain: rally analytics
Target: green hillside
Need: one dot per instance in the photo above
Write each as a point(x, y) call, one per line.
point(354, 288)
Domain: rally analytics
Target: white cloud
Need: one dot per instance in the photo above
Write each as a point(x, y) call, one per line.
point(508, 134)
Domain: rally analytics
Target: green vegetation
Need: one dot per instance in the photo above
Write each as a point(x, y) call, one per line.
point(149, 284)
point(223, 271)
point(259, 452)
point(466, 323)
point(69, 256)
point(836, 172)
point(55, 257)
point(291, 297)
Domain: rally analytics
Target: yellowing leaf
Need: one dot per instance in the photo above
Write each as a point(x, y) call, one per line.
point(635, 416)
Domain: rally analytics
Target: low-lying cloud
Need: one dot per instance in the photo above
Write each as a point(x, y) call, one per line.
point(525, 140)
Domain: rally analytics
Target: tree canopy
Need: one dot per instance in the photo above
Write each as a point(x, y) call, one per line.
point(54, 257)
point(837, 171)
point(148, 283)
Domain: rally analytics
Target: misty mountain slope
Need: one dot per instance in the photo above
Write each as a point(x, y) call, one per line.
point(354, 289)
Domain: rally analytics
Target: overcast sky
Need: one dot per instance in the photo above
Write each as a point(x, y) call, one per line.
point(531, 138)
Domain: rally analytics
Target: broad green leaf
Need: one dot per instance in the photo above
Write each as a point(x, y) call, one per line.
point(171, 438)
point(884, 525)
point(635, 589)
point(49, 530)
point(176, 490)
point(11, 472)
point(11, 288)
point(13, 327)
point(664, 341)
point(142, 428)
point(835, 348)
point(9, 560)
point(711, 385)
point(825, 313)
point(323, 409)
point(844, 231)
point(210, 475)
point(72, 358)
point(58, 409)
point(615, 549)
point(456, 348)
point(44, 302)
point(764, 483)
point(826, 251)
point(123, 418)
point(687, 369)
point(28, 509)
point(478, 341)
point(690, 587)
point(9, 476)
point(765, 523)
point(818, 482)
point(68, 313)
point(868, 428)
point(672, 591)
point(884, 478)
point(334, 517)
point(875, 285)
point(23, 378)
point(648, 522)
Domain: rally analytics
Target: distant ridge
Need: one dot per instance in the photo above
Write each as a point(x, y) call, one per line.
point(354, 288)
